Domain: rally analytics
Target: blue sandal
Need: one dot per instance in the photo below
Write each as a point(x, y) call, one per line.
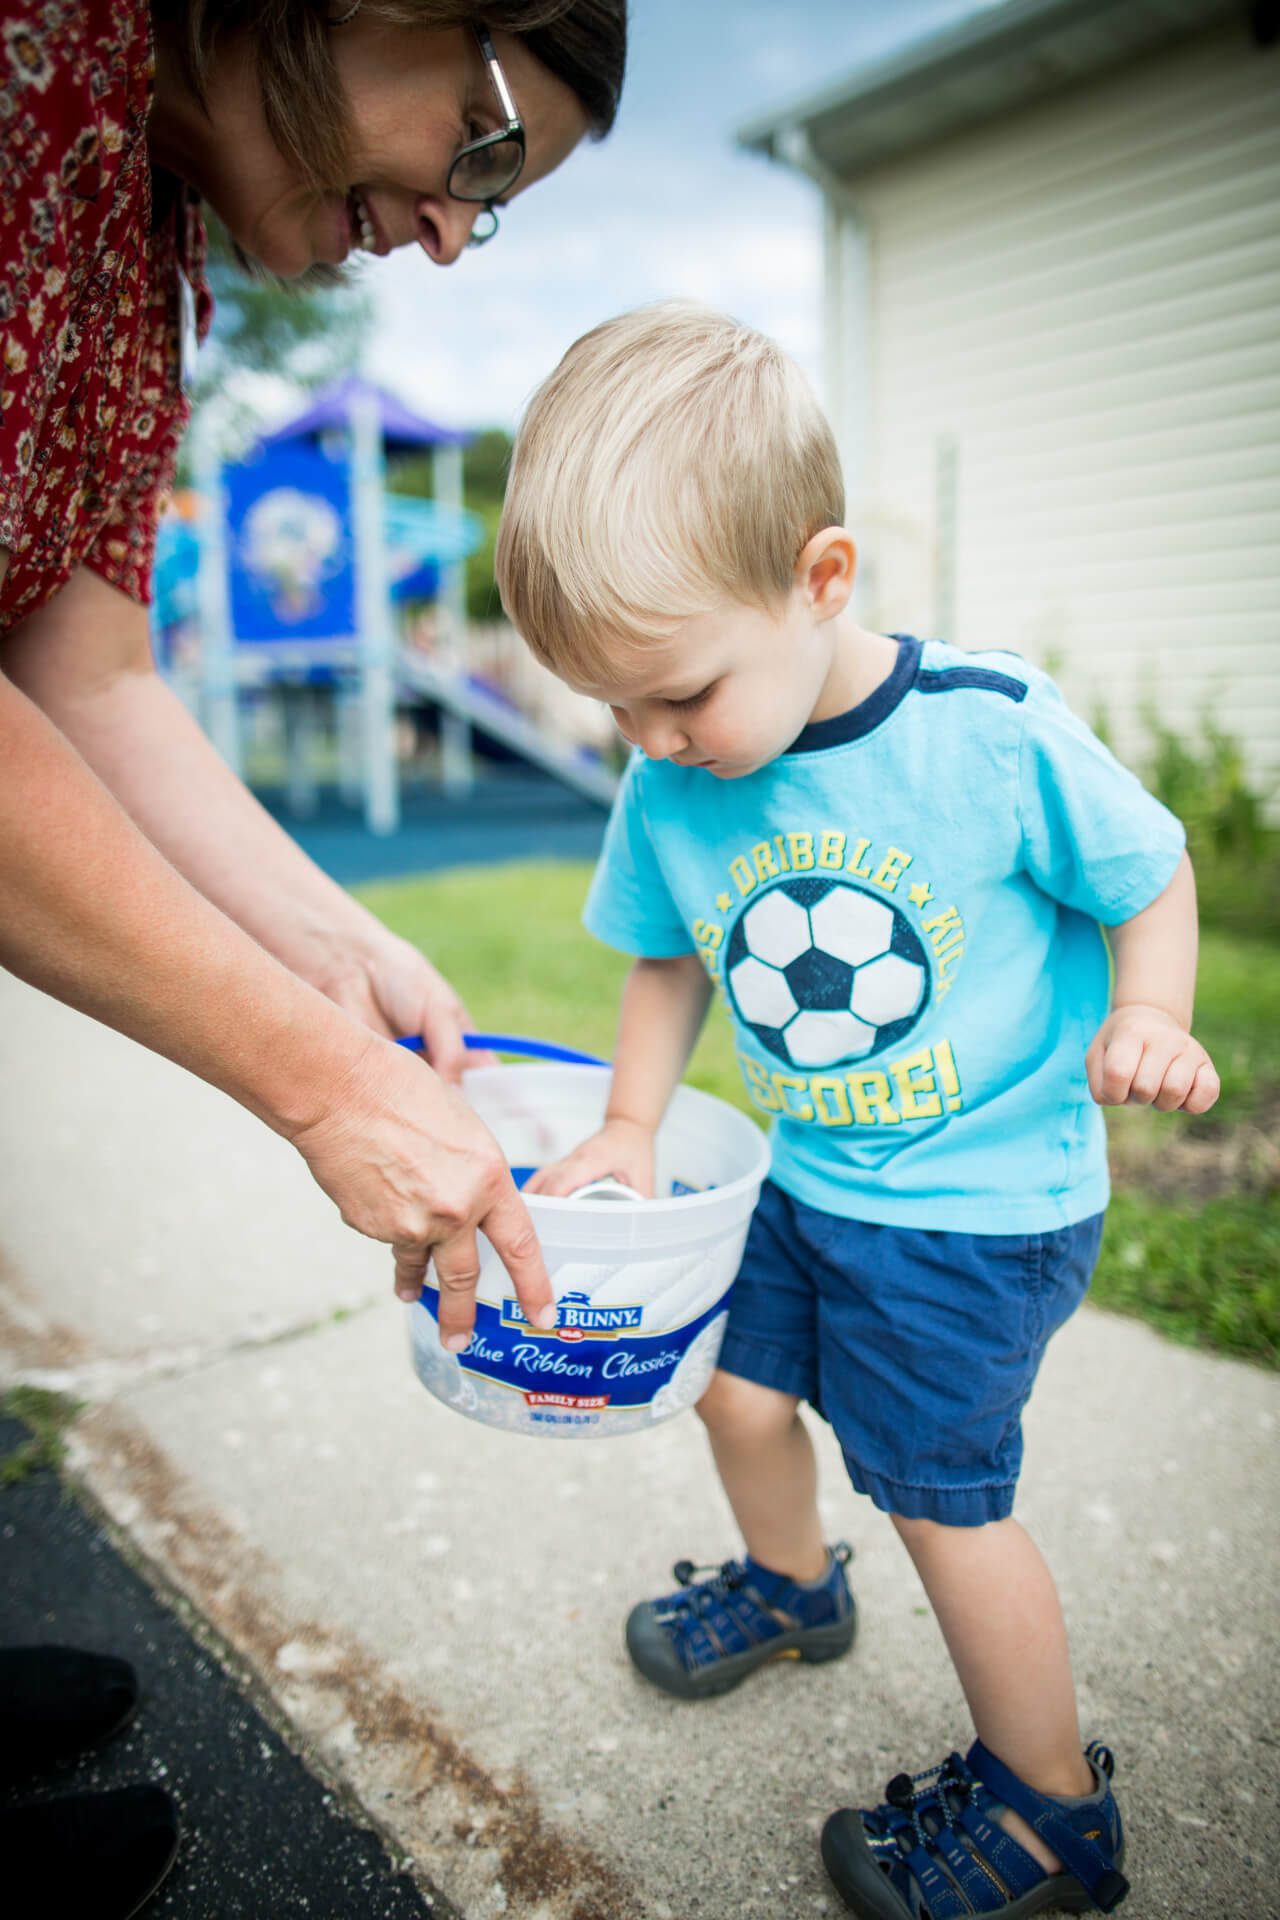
point(711, 1634)
point(936, 1850)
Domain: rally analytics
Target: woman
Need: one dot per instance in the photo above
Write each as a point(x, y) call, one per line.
point(139, 881)
point(313, 134)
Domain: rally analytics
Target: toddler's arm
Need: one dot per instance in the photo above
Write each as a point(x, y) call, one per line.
point(1143, 1052)
point(664, 1004)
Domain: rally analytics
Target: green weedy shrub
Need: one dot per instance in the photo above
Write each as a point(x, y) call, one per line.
point(1235, 852)
point(1206, 785)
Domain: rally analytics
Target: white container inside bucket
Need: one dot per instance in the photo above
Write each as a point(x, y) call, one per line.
point(640, 1285)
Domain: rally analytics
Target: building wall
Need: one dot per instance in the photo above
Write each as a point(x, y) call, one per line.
point(1072, 409)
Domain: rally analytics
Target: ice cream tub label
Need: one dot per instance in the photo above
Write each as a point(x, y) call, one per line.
point(641, 1285)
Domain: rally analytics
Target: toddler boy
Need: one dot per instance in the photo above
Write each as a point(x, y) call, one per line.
point(891, 860)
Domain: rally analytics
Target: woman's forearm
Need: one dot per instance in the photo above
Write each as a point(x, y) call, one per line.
point(85, 659)
point(137, 736)
point(91, 913)
point(664, 1004)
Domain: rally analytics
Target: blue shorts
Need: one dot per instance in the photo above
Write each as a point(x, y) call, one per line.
point(919, 1347)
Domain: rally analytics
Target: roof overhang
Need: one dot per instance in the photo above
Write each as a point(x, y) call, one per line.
point(1000, 59)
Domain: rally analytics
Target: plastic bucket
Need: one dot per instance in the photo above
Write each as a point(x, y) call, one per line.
point(641, 1285)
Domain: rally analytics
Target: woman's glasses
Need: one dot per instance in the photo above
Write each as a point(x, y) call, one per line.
point(486, 168)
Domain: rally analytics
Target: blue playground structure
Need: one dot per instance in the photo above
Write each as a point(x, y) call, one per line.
point(289, 569)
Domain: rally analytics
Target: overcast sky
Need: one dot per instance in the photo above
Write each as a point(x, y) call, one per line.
point(667, 205)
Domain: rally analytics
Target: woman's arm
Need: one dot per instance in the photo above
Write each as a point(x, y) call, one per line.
point(1143, 1053)
point(85, 659)
point(664, 1004)
point(91, 913)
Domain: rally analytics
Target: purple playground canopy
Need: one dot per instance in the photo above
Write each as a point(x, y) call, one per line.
point(331, 407)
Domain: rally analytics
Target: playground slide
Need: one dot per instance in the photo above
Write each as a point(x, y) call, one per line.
point(492, 715)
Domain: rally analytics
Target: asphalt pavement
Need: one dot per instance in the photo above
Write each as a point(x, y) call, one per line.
point(261, 1834)
point(428, 1612)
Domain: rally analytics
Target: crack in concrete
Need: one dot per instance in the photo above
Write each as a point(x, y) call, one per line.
point(46, 1353)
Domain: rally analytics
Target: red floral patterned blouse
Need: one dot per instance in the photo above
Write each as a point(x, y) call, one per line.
point(91, 252)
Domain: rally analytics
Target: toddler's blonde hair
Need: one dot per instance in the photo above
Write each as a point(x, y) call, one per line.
point(673, 461)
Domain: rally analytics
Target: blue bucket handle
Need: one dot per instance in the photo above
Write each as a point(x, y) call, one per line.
point(514, 1043)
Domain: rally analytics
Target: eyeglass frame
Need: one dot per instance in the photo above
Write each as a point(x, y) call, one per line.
point(512, 130)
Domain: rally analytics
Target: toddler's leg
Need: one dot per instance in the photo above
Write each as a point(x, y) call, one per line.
point(1025, 1820)
point(766, 1463)
point(789, 1597)
point(1000, 1616)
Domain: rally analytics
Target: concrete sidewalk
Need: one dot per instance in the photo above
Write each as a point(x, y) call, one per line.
point(436, 1608)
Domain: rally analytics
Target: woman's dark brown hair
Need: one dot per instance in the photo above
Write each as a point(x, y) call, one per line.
point(582, 42)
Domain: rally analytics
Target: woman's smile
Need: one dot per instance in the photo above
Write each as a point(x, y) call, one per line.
point(413, 97)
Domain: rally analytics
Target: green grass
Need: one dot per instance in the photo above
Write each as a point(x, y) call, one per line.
point(1238, 1020)
point(511, 941)
point(1193, 1237)
point(1207, 1275)
point(47, 1416)
point(1192, 1243)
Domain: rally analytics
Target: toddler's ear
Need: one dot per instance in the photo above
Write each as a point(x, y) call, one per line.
point(825, 571)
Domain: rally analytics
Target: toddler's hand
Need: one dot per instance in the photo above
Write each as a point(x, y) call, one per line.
point(622, 1148)
point(1142, 1057)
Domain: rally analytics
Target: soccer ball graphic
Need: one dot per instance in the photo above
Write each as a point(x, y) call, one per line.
point(824, 972)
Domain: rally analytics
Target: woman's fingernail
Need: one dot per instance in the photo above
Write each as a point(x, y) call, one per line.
point(546, 1317)
point(457, 1342)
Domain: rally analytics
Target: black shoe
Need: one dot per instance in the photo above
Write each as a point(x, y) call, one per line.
point(56, 1701)
point(90, 1856)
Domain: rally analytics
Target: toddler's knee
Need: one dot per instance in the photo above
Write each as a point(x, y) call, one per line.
point(733, 1408)
point(925, 1536)
point(916, 1530)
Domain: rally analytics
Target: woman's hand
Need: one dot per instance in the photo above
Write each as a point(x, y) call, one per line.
point(388, 986)
point(408, 1162)
point(622, 1148)
point(1142, 1057)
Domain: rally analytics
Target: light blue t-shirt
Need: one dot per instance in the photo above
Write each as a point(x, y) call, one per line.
point(901, 915)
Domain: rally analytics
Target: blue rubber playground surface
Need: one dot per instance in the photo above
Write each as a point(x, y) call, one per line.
point(511, 814)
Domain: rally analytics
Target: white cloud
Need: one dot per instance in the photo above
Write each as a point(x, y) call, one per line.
point(471, 345)
point(666, 206)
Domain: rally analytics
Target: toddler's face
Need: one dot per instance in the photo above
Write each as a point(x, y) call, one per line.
point(727, 692)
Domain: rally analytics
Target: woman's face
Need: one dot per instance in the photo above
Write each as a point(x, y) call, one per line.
point(415, 97)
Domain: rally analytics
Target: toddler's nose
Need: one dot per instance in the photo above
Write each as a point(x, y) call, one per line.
point(658, 739)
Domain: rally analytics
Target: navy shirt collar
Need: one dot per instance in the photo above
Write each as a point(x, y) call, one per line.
point(869, 713)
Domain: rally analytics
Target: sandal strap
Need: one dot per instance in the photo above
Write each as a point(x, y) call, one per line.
point(943, 1834)
point(1092, 1867)
point(709, 1619)
point(940, 1832)
point(936, 1889)
point(740, 1607)
point(737, 1624)
point(1007, 1863)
